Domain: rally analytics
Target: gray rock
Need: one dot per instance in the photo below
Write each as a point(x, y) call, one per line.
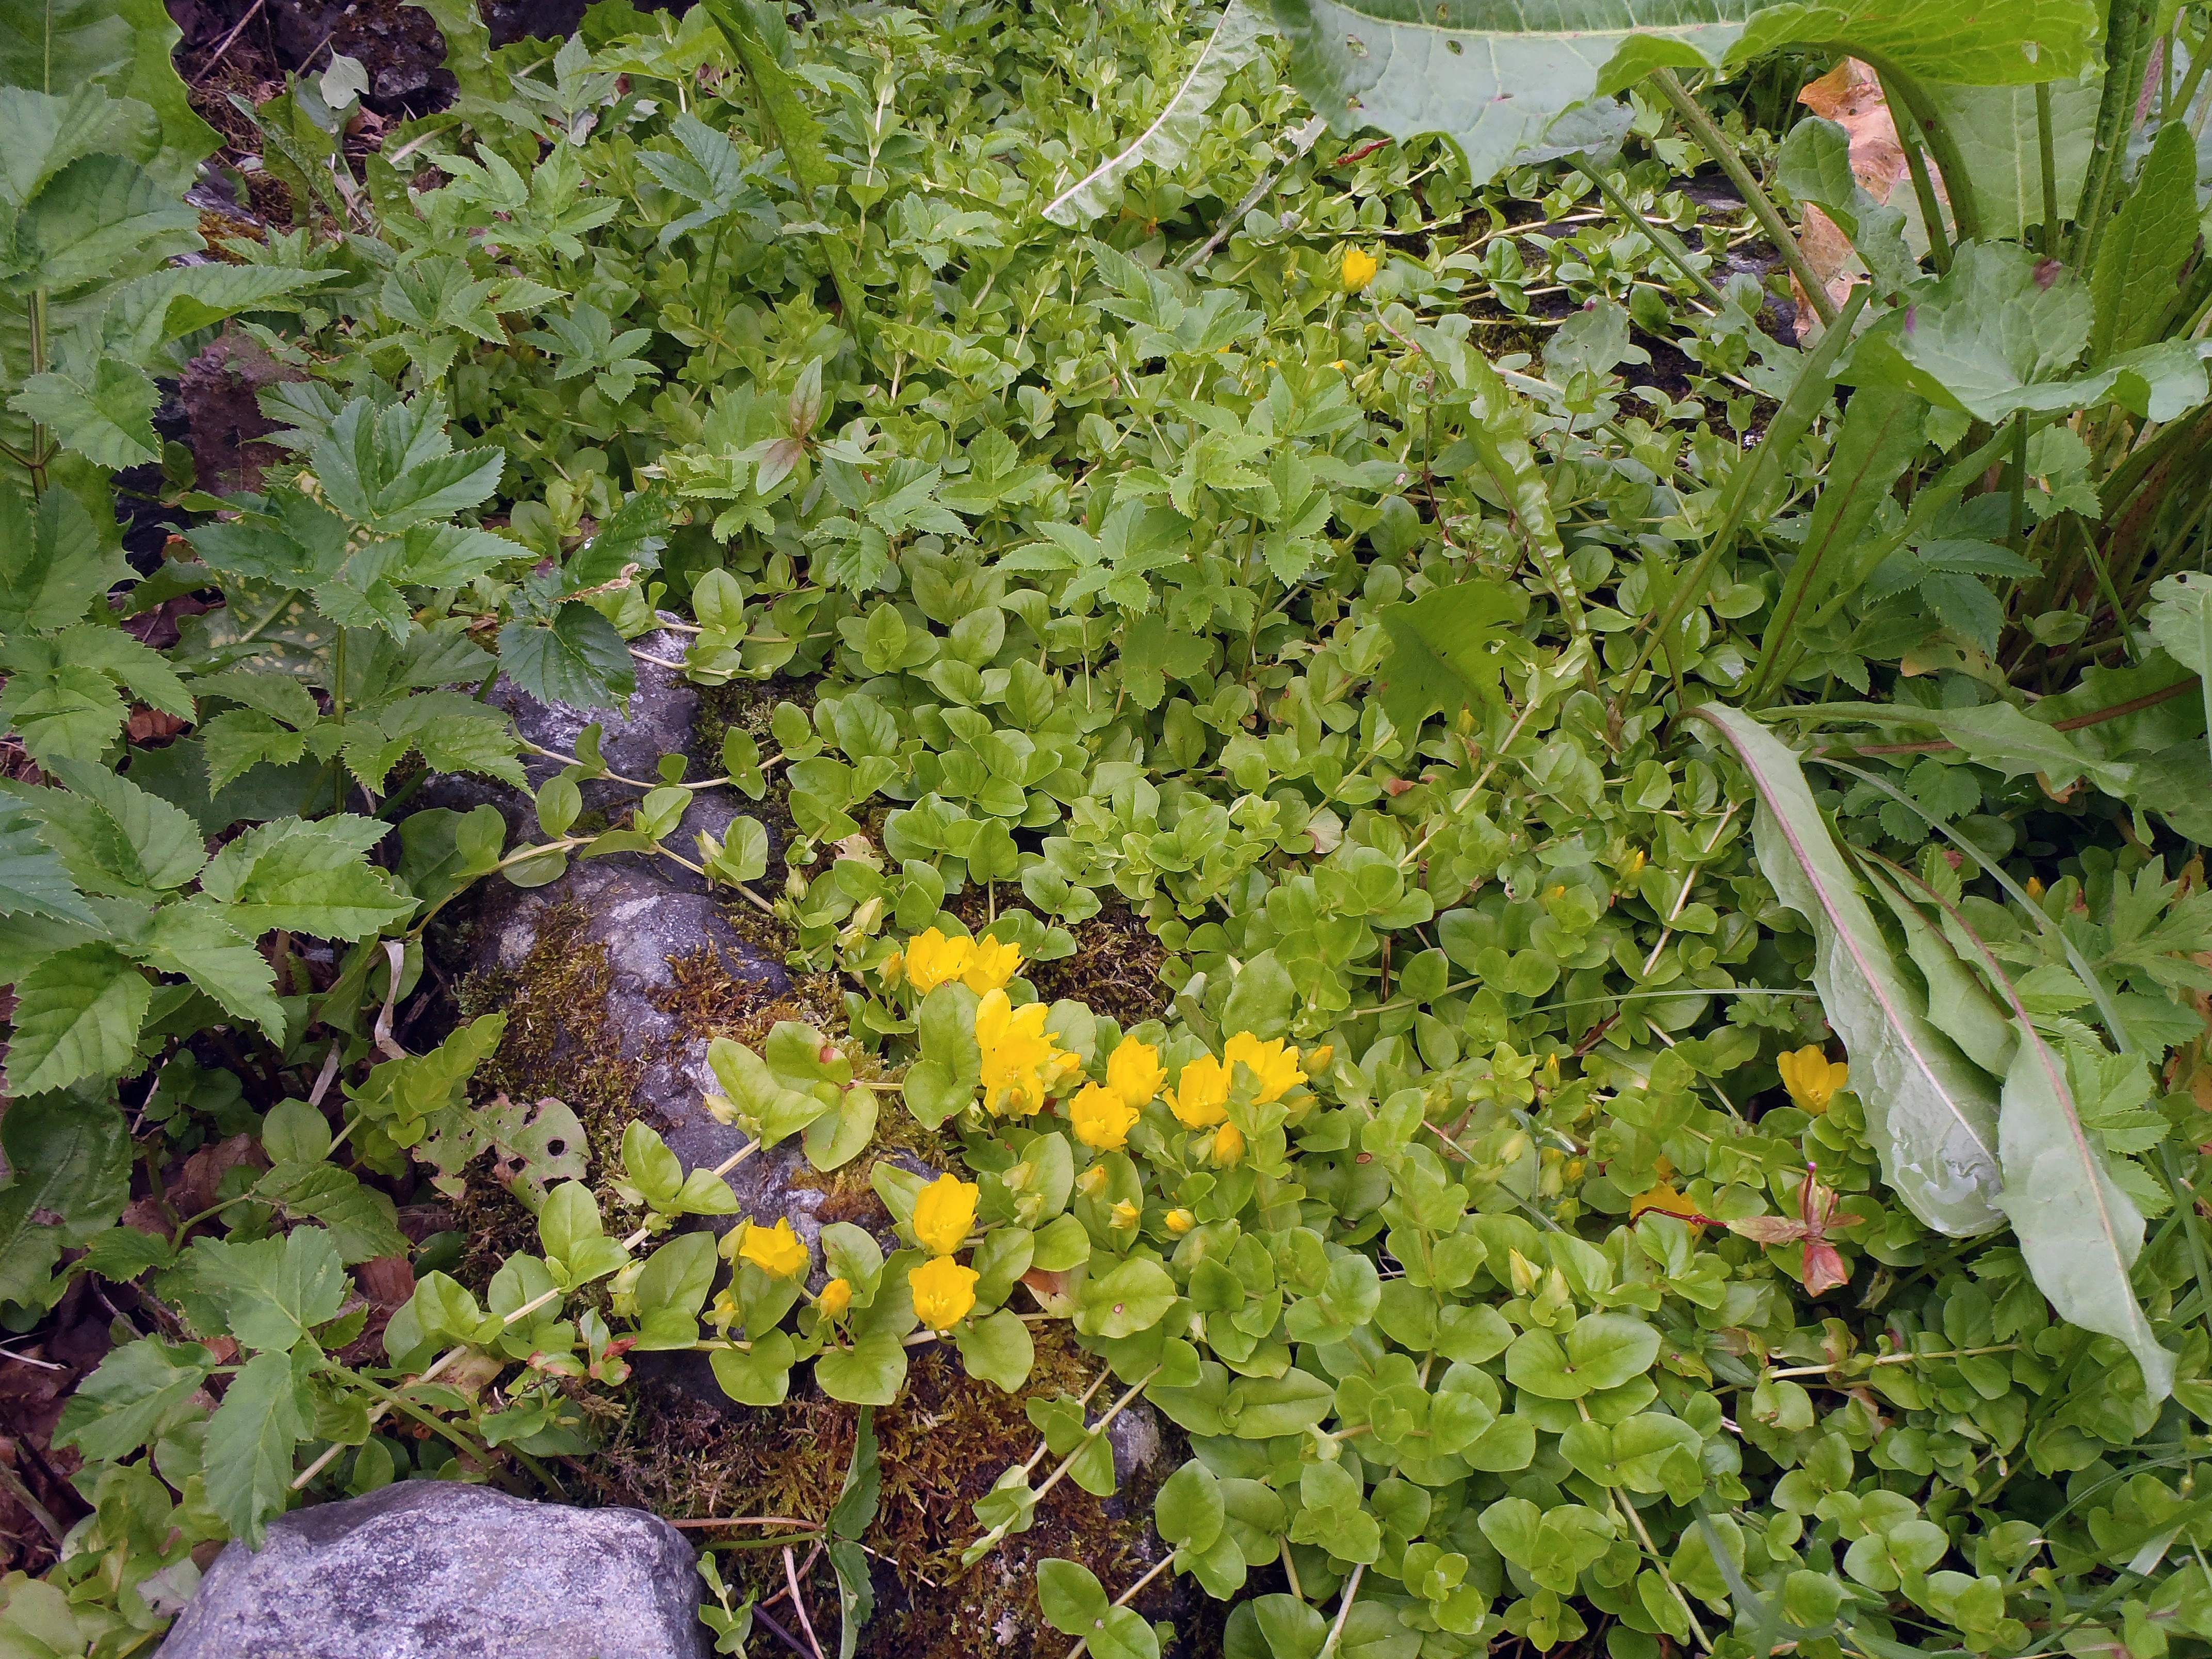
point(663, 714)
point(432, 1570)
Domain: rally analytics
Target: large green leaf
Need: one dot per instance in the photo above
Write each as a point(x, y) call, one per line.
point(579, 660)
point(196, 940)
point(264, 1414)
point(77, 1015)
point(101, 217)
point(1493, 75)
point(124, 1404)
point(105, 414)
point(1931, 1113)
point(1447, 649)
point(72, 1161)
point(1995, 130)
point(308, 877)
point(57, 46)
point(2140, 253)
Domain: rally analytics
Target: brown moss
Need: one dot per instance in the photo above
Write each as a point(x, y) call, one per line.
point(545, 1050)
point(1116, 968)
point(943, 1443)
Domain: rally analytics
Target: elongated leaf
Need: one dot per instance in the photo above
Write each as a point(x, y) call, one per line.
point(52, 564)
point(1959, 1005)
point(1932, 1114)
point(97, 217)
point(2078, 1231)
point(2140, 255)
point(798, 133)
point(1493, 76)
point(1235, 41)
point(264, 1416)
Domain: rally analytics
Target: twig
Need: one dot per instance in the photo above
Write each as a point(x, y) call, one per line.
point(26, 1359)
point(329, 1072)
point(789, 1640)
point(224, 46)
point(748, 1521)
point(798, 1602)
point(395, 956)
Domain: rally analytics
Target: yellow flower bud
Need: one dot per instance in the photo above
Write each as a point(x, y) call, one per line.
point(1524, 1274)
point(1126, 1214)
point(1359, 269)
point(1092, 1181)
point(1318, 1060)
point(836, 1299)
point(1181, 1222)
point(943, 1292)
point(1228, 1145)
point(944, 1214)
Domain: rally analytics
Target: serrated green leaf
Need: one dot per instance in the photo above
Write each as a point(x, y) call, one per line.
point(106, 416)
point(71, 1158)
point(124, 1404)
point(77, 1015)
point(271, 1292)
point(579, 660)
point(306, 877)
point(266, 1412)
point(51, 564)
point(99, 216)
point(33, 881)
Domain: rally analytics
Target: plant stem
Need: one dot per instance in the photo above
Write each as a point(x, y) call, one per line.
point(1343, 1611)
point(1660, 237)
point(1924, 187)
point(1124, 1599)
point(2048, 154)
point(1901, 89)
point(2127, 52)
point(1718, 145)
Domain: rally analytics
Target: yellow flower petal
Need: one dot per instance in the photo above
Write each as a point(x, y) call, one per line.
point(990, 965)
point(1200, 1095)
point(1101, 1117)
point(777, 1251)
point(932, 960)
point(1359, 269)
point(1135, 1072)
point(1812, 1077)
point(836, 1299)
point(944, 1214)
point(1275, 1065)
point(944, 1291)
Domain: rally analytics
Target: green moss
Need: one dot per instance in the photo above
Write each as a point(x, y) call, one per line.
point(943, 1443)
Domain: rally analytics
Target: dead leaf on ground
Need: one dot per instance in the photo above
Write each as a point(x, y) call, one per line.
point(1850, 95)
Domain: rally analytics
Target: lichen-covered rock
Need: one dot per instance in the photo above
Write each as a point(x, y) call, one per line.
point(433, 1569)
point(661, 719)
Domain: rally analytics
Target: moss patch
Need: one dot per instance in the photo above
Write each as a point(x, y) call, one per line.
point(943, 1443)
point(1116, 968)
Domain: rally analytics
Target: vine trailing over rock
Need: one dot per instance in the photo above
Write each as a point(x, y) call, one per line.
point(1631, 1144)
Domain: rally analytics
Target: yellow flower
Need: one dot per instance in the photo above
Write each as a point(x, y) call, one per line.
point(944, 1291)
point(990, 965)
point(776, 1251)
point(1317, 1059)
point(1275, 1064)
point(1125, 1213)
point(2035, 888)
point(932, 959)
point(1102, 1118)
point(1021, 1065)
point(1359, 269)
point(1663, 1198)
point(836, 1299)
point(1812, 1077)
point(1228, 1145)
point(1200, 1093)
point(1135, 1072)
point(945, 1213)
point(1632, 865)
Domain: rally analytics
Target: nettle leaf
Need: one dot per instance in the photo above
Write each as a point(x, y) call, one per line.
point(394, 467)
point(114, 837)
point(77, 1015)
point(270, 1293)
point(266, 1412)
point(579, 660)
point(52, 565)
point(58, 47)
point(1932, 1114)
point(33, 879)
point(138, 1389)
point(308, 877)
point(47, 131)
point(106, 413)
point(196, 940)
point(71, 1158)
point(100, 218)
